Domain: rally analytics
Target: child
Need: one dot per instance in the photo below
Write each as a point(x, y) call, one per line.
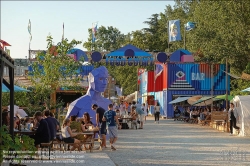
point(67, 135)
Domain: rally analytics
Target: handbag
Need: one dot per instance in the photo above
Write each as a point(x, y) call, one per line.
point(138, 122)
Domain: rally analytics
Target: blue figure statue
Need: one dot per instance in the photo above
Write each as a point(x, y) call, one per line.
point(98, 80)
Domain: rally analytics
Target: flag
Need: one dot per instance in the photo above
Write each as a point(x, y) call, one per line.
point(119, 91)
point(231, 75)
point(174, 31)
point(189, 26)
point(94, 30)
point(158, 70)
point(29, 29)
point(140, 71)
point(63, 32)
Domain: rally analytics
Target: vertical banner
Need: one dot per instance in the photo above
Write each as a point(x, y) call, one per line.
point(174, 31)
point(29, 29)
point(94, 30)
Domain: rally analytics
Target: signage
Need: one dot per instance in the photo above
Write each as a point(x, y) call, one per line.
point(198, 76)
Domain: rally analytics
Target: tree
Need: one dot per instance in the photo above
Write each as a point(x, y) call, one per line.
point(107, 39)
point(53, 69)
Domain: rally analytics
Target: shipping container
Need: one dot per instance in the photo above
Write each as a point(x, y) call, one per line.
point(165, 78)
point(170, 94)
point(158, 82)
point(196, 77)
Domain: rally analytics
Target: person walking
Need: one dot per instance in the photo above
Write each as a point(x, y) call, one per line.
point(157, 112)
point(233, 117)
point(99, 123)
point(112, 120)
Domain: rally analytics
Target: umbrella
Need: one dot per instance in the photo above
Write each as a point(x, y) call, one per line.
point(18, 112)
point(16, 89)
point(204, 101)
point(246, 90)
point(223, 97)
point(193, 99)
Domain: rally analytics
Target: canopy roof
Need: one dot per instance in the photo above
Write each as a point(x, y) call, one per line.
point(246, 90)
point(223, 97)
point(178, 100)
point(137, 52)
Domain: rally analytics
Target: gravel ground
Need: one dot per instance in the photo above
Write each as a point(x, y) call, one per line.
point(178, 143)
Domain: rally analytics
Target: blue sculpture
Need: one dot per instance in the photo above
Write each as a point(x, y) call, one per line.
point(98, 80)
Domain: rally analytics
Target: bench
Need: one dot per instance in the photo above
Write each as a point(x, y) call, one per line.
point(45, 146)
point(218, 119)
point(100, 142)
point(206, 121)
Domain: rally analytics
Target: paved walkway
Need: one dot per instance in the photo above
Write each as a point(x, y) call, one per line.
point(178, 143)
point(170, 143)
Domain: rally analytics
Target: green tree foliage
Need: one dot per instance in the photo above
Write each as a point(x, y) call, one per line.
point(107, 39)
point(53, 69)
point(222, 31)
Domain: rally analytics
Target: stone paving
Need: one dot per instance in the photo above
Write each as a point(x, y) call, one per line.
point(178, 143)
point(170, 143)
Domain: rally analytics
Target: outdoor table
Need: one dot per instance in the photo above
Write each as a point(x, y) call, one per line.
point(127, 120)
point(25, 132)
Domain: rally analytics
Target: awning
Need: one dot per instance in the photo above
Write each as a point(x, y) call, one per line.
point(179, 99)
point(203, 99)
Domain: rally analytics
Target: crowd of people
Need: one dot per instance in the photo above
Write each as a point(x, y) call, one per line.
point(108, 120)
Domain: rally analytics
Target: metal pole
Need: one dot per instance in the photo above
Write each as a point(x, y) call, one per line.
point(29, 52)
point(184, 38)
point(11, 77)
point(212, 85)
point(1, 82)
point(154, 75)
point(109, 86)
point(137, 88)
point(226, 84)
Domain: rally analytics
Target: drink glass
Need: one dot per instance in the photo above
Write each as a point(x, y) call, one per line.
point(31, 126)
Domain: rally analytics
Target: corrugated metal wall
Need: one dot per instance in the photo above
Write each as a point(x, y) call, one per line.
point(193, 76)
point(159, 98)
point(158, 82)
point(170, 110)
point(165, 77)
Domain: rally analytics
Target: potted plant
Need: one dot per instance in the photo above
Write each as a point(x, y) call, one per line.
point(14, 148)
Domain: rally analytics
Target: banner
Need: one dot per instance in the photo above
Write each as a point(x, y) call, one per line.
point(29, 29)
point(94, 30)
point(174, 31)
point(158, 70)
point(189, 26)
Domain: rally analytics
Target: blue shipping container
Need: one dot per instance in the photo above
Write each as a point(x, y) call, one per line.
point(194, 76)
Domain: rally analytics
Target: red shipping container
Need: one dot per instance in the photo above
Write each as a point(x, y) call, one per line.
point(165, 78)
point(158, 82)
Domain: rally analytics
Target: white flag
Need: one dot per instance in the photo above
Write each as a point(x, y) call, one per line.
point(119, 91)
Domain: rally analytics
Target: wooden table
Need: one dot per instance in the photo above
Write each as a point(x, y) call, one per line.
point(128, 119)
point(25, 132)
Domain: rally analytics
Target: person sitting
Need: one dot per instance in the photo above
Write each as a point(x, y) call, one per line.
point(177, 113)
point(68, 135)
point(75, 125)
point(86, 125)
point(52, 122)
point(42, 134)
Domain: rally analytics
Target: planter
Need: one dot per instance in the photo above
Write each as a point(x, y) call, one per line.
point(13, 164)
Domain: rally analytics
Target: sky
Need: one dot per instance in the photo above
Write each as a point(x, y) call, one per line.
point(47, 17)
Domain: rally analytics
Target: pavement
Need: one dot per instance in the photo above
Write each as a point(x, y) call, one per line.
point(167, 143)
